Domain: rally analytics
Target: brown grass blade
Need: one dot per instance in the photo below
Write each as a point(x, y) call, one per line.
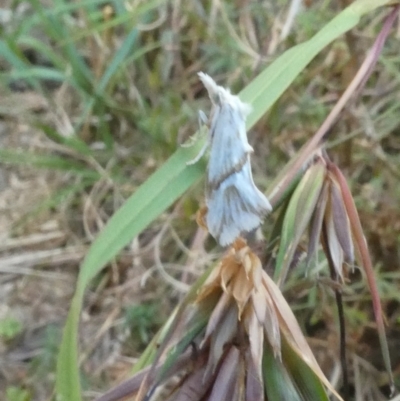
point(333, 244)
point(193, 388)
point(293, 333)
point(132, 385)
point(225, 333)
point(341, 222)
point(218, 313)
point(365, 260)
point(224, 384)
point(271, 325)
point(256, 338)
point(254, 383)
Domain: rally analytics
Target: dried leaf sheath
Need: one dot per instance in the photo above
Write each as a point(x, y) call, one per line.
point(366, 263)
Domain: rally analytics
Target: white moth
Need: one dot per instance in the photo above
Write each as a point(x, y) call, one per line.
point(234, 203)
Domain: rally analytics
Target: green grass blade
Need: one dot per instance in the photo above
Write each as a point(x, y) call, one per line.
point(148, 202)
point(68, 382)
point(297, 217)
point(278, 384)
point(305, 379)
point(122, 18)
point(52, 162)
point(15, 59)
point(56, 29)
point(10, 55)
point(118, 59)
point(36, 73)
point(174, 178)
point(42, 48)
point(72, 142)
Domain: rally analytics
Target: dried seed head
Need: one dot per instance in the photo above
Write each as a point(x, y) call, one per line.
point(316, 206)
point(250, 312)
point(249, 345)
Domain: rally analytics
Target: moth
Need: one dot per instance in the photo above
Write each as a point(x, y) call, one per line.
point(234, 203)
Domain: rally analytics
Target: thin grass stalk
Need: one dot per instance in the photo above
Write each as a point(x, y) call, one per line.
point(342, 324)
point(366, 262)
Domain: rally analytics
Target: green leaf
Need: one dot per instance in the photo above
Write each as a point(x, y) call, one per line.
point(14, 393)
point(48, 162)
point(297, 217)
point(278, 384)
point(12, 58)
point(56, 28)
point(9, 328)
point(11, 55)
point(115, 64)
point(292, 378)
point(67, 382)
point(148, 202)
point(73, 142)
point(307, 382)
point(37, 73)
point(174, 178)
point(42, 48)
point(118, 59)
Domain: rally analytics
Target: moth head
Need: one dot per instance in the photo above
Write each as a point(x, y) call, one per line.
point(222, 96)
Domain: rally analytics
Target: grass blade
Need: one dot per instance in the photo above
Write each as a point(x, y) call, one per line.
point(361, 245)
point(148, 202)
point(118, 59)
point(278, 384)
point(297, 217)
point(307, 382)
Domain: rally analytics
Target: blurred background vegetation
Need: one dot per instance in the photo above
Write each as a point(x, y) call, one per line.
point(95, 95)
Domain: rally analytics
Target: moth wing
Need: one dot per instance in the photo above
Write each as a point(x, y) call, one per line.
point(255, 200)
point(236, 206)
point(229, 144)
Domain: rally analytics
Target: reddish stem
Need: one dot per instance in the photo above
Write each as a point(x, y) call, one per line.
point(362, 248)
